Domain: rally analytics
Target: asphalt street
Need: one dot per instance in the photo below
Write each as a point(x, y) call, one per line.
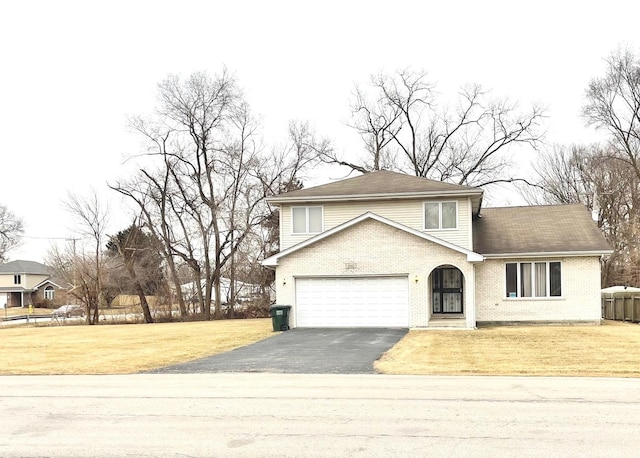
point(295, 415)
point(302, 351)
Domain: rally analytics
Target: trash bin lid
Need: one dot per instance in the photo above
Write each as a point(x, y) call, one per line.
point(279, 307)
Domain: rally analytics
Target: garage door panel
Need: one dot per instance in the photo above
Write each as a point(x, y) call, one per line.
point(352, 301)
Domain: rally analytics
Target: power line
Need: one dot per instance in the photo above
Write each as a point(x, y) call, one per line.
point(51, 238)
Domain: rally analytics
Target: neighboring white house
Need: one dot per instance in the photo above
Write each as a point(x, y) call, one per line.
point(244, 291)
point(388, 249)
point(24, 283)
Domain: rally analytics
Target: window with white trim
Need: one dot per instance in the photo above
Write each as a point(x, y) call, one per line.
point(441, 215)
point(306, 220)
point(49, 292)
point(534, 279)
point(17, 279)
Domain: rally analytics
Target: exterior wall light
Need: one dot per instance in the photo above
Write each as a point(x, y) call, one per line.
point(416, 279)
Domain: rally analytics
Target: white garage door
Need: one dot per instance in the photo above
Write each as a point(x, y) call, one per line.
point(352, 302)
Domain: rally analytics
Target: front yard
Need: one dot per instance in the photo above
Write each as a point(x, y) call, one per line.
point(121, 349)
point(609, 350)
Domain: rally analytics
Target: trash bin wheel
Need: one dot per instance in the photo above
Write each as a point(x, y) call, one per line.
point(284, 327)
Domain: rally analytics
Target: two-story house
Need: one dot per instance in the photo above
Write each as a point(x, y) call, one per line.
point(24, 283)
point(390, 250)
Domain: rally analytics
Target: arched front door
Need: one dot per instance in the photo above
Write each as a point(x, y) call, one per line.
point(447, 291)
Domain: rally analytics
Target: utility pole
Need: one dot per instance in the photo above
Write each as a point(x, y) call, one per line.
point(75, 264)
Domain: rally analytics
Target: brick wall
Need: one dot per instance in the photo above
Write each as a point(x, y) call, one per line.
point(374, 248)
point(580, 299)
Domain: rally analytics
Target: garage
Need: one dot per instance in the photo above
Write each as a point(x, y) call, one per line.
point(352, 302)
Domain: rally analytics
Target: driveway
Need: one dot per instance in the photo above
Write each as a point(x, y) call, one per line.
point(302, 351)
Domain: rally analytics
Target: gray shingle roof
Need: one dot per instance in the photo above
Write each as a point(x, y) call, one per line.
point(537, 229)
point(24, 267)
point(375, 184)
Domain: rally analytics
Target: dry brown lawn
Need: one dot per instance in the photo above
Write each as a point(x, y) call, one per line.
point(121, 349)
point(609, 350)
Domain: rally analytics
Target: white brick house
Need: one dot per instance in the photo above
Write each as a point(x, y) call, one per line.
point(387, 249)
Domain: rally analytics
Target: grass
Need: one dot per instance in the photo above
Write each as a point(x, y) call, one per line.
point(609, 350)
point(121, 349)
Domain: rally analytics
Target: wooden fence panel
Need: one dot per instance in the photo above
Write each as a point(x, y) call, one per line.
point(621, 309)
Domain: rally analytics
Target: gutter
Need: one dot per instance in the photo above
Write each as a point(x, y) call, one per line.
point(548, 254)
point(381, 196)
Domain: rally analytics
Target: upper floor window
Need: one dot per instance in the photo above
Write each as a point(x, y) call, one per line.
point(534, 279)
point(441, 215)
point(49, 293)
point(306, 220)
point(17, 279)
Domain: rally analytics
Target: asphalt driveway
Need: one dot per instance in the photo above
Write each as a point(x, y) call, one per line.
point(302, 351)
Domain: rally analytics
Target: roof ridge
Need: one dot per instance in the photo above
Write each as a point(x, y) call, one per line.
point(380, 183)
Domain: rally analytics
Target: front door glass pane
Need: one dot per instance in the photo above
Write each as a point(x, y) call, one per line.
point(452, 278)
point(452, 303)
point(437, 307)
point(447, 291)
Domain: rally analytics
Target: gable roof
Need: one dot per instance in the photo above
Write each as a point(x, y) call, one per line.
point(24, 267)
point(381, 184)
point(272, 261)
point(538, 230)
point(50, 281)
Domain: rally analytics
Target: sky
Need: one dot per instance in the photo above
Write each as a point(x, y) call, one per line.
point(73, 72)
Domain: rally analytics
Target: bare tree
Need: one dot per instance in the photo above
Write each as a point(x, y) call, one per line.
point(609, 187)
point(613, 104)
point(404, 128)
point(90, 213)
point(11, 231)
point(203, 178)
point(564, 176)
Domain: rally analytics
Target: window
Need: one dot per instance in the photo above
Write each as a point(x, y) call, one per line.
point(49, 293)
point(534, 279)
point(441, 215)
point(306, 220)
point(17, 279)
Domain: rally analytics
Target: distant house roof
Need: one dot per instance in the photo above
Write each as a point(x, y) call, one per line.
point(550, 229)
point(24, 267)
point(381, 184)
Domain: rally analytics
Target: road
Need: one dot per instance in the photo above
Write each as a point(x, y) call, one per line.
point(247, 415)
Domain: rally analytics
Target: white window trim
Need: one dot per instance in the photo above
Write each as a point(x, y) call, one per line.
point(439, 228)
point(51, 290)
point(307, 207)
point(519, 284)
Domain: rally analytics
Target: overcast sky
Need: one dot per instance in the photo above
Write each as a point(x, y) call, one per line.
point(72, 72)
